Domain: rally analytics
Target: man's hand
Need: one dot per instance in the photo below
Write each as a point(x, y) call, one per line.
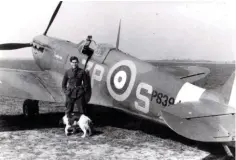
point(67, 92)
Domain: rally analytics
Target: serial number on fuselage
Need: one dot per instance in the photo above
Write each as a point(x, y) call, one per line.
point(162, 99)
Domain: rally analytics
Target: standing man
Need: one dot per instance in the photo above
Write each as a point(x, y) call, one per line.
point(74, 86)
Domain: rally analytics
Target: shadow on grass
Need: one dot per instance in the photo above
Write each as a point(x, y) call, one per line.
point(101, 117)
point(110, 117)
point(19, 122)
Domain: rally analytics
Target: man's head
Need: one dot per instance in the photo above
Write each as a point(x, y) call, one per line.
point(74, 62)
point(89, 38)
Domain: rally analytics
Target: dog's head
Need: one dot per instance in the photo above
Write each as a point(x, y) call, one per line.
point(70, 121)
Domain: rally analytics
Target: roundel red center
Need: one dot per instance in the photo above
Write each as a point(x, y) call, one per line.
point(120, 79)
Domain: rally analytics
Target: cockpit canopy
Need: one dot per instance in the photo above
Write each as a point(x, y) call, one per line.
point(99, 50)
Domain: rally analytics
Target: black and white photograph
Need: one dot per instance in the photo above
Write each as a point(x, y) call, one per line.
point(122, 80)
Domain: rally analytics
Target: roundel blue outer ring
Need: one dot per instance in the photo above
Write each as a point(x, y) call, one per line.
point(126, 93)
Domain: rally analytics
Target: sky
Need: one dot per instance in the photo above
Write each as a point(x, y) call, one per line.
point(149, 30)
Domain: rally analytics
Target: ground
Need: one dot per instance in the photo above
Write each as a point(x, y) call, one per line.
point(43, 138)
point(116, 136)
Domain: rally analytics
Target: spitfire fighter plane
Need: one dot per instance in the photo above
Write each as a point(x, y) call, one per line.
point(123, 82)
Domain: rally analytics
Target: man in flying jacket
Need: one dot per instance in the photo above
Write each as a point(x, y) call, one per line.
point(76, 86)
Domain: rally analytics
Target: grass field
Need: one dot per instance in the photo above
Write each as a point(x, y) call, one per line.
point(117, 135)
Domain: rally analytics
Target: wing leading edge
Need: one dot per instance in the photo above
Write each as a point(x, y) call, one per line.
point(29, 85)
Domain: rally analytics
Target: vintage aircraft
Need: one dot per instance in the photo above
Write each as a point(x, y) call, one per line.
point(124, 82)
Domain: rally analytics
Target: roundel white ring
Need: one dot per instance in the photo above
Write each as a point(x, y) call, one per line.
point(120, 79)
point(120, 83)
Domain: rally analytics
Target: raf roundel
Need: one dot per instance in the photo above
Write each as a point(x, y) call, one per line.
point(120, 79)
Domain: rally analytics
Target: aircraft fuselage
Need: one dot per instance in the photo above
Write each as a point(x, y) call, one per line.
point(117, 79)
point(121, 81)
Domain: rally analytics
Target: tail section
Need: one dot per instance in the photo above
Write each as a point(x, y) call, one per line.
point(211, 119)
point(228, 91)
point(205, 121)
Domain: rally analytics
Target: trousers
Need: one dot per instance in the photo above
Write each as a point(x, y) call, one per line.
point(79, 102)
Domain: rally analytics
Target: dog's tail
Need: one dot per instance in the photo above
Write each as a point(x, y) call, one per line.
point(91, 125)
point(90, 122)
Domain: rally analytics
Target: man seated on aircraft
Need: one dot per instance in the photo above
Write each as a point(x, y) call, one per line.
point(74, 86)
point(89, 46)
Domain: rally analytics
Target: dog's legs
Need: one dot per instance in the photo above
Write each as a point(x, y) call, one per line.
point(89, 131)
point(66, 130)
point(85, 132)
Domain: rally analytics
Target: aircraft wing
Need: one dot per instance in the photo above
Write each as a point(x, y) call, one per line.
point(37, 85)
point(189, 74)
point(206, 121)
point(186, 72)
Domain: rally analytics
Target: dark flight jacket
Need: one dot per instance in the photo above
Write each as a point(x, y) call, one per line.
point(72, 83)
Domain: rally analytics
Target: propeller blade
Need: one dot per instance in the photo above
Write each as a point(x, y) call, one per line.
point(11, 46)
point(53, 16)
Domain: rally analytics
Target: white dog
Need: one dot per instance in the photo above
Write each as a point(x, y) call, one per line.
point(75, 119)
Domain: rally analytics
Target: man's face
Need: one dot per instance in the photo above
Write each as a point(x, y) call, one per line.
point(74, 63)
